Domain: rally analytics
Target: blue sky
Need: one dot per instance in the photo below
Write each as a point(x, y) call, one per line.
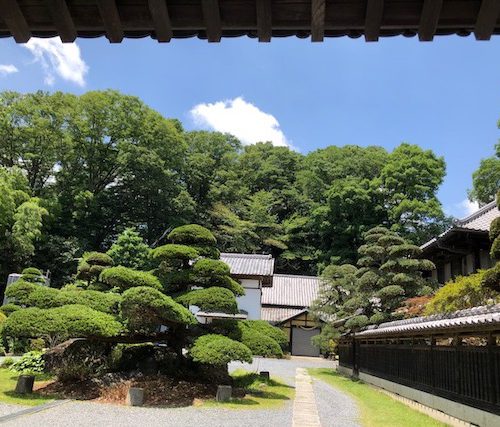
point(443, 95)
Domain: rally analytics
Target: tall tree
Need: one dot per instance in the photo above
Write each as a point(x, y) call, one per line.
point(486, 179)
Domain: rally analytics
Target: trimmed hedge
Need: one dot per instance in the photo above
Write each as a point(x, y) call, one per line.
point(192, 234)
point(207, 267)
point(9, 308)
point(260, 344)
point(98, 258)
point(267, 329)
point(173, 252)
point(219, 350)
point(19, 291)
point(61, 323)
point(145, 308)
point(212, 299)
point(106, 302)
point(125, 278)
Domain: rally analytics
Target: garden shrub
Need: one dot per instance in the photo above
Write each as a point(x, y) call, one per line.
point(491, 278)
point(58, 324)
point(125, 278)
point(461, 293)
point(130, 250)
point(211, 272)
point(98, 258)
point(267, 329)
point(145, 308)
point(3, 317)
point(7, 362)
point(175, 252)
point(260, 344)
point(36, 344)
point(9, 308)
point(213, 299)
point(33, 275)
point(43, 297)
point(193, 235)
point(30, 363)
point(219, 350)
point(357, 322)
point(19, 291)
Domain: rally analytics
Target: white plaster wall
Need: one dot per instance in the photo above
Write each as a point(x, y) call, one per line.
point(250, 302)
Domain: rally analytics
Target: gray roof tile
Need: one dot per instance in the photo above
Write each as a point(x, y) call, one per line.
point(290, 290)
point(278, 314)
point(249, 264)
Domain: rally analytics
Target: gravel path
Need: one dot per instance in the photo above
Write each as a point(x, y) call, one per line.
point(7, 408)
point(335, 408)
point(332, 405)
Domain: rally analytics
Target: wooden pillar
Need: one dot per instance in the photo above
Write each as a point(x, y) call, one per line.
point(492, 342)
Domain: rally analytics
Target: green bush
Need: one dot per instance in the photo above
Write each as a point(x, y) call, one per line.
point(390, 292)
point(219, 350)
point(7, 362)
point(30, 363)
point(58, 324)
point(43, 297)
point(130, 250)
point(9, 308)
point(495, 229)
point(145, 308)
point(98, 258)
point(175, 252)
point(207, 267)
point(212, 299)
point(3, 318)
point(267, 329)
point(125, 278)
point(260, 344)
point(211, 272)
point(36, 344)
point(491, 279)
point(33, 271)
point(19, 291)
point(192, 234)
point(461, 293)
point(495, 249)
point(357, 322)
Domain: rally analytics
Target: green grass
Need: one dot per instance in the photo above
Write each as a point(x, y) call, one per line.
point(8, 380)
point(261, 393)
point(377, 408)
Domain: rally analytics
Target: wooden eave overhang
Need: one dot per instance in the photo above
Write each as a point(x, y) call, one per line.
point(261, 19)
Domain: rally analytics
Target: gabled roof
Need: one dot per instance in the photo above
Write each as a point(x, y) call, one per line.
point(290, 290)
point(279, 314)
point(249, 264)
point(479, 222)
point(477, 317)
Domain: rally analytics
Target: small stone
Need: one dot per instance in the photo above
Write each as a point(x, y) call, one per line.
point(264, 375)
point(25, 384)
point(224, 393)
point(135, 396)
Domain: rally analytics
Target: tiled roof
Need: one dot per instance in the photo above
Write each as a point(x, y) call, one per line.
point(278, 314)
point(465, 319)
point(482, 219)
point(479, 221)
point(249, 264)
point(290, 290)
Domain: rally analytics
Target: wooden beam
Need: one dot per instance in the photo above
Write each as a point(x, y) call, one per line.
point(486, 19)
point(16, 22)
point(317, 20)
point(111, 19)
point(161, 20)
point(211, 13)
point(373, 19)
point(264, 20)
point(62, 20)
point(429, 19)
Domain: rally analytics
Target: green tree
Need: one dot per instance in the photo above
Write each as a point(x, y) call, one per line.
point(129, 250)
point(486, 179)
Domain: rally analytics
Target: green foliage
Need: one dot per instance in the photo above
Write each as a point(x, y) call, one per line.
point(263, 327)
point(213, 299)
point(219, 350)
point(129, 250)
point(357, 322)
point(3, 317)
point(260, 344)
point(495, 229)
point(50, 298)
point(19, 291)
point(30, 363)
point(146, 308)
point(9, 308)
point(211, 272)
point(173, 252)
point(91, 265)
point(327, 340)
point(125, 278)
point(55, 325)
point(461, 293)
point(486, 179)
point(193, 235)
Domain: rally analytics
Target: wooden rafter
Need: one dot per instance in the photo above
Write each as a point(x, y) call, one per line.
point(211, 14)
point(11, 14)
point(487, 19)
point(264, 20)
point(317, 20)
point(62, 20)
point(161, 20)
point(111, 19)
point(373, 19)
point(429, 19)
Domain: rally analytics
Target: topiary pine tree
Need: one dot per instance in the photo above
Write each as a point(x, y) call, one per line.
point(138, 306)
point(130, 250)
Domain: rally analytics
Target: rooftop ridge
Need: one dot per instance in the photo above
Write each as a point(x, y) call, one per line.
point(481, 211)
point(297, 275)
point(239, 255)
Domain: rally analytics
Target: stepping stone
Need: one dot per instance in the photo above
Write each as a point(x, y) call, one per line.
point(305, 411)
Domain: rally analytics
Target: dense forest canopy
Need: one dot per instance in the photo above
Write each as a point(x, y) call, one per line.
point(79, 170)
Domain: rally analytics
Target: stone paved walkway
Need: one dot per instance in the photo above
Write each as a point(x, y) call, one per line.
point(305, 412)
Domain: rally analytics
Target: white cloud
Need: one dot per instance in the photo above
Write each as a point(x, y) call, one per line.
point(7, 69)
point(242, 119)
point(58, 58)
point(463, 209)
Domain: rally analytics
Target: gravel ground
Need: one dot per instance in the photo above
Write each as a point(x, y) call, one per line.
point(7, 408)
point(335, 408)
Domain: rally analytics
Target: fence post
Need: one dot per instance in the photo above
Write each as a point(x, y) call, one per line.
point(433, 377)
point(492, 342)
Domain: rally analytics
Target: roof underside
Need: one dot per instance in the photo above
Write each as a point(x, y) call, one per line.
point(262, 19)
